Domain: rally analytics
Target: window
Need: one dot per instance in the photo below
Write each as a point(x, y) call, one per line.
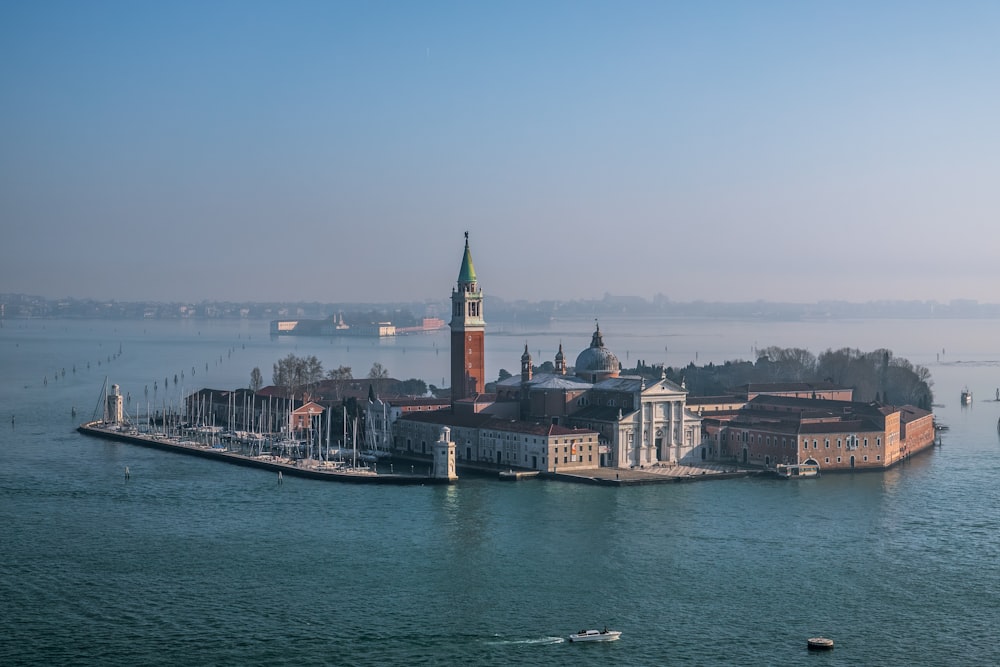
point(828, 445)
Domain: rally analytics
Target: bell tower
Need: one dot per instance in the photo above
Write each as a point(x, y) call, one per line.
point(468, 329)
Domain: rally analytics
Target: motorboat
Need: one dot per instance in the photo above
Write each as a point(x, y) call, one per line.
point(604, 635)
point(796, 470)
point(966, 396)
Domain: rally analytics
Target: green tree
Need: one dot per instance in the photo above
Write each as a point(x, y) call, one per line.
point(413, 387)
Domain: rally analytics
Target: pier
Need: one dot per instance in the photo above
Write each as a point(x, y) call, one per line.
point(664, 474)
point(309, 468)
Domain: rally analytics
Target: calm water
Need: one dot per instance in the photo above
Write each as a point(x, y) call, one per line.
point(194, 562)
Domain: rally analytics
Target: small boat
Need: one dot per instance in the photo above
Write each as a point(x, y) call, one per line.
point(604, 635)
point(796, 470)
point(966, 396)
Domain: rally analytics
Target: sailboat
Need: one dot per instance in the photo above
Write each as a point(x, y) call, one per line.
point(377, 435)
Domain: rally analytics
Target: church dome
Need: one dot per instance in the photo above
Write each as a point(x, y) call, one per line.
point(597, 360)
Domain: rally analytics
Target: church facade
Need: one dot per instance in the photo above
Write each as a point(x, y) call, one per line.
point(641, 423)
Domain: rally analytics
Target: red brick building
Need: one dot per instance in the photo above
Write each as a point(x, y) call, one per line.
point(835, 435)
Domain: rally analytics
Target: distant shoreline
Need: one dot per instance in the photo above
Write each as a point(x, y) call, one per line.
point(499, 310)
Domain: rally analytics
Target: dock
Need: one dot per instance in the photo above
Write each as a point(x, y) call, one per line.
point(662, 474)
point(311, 469)
point(517, 475)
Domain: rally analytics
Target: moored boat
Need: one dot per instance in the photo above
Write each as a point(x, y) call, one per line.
point(796, 470)
point(604, 635)
point(966, 396)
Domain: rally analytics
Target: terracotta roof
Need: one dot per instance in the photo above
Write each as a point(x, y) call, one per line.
point(790, 386)
point(486, 421)
point(600, 413)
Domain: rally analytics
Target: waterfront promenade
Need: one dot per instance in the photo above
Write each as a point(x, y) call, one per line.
point(661, 474)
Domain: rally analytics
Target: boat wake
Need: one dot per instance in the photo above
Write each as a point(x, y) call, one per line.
point(537, 641)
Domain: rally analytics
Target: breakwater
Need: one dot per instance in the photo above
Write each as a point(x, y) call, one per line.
point(311, 469)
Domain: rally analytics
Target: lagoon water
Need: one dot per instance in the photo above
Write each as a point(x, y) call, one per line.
point(195, 562)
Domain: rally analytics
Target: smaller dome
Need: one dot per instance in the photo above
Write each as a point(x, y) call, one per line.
point(597, 359)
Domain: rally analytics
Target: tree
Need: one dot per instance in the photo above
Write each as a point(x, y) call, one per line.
point(297, 374)
point(378, 374)
point(790, 364)
point(503, 375)
point(545, 367)
point(340, 373)
point(256, 380)
point(413, 387)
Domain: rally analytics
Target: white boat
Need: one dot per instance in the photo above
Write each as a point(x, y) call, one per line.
point(604, 635)
point(966, 396)
point(796, 470)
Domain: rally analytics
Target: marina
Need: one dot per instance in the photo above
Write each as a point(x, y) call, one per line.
point(279, 452)
point(310, 468)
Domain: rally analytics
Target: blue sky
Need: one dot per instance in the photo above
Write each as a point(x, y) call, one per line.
point(336, 151)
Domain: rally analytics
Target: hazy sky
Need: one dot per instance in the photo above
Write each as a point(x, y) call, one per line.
point(336, 151)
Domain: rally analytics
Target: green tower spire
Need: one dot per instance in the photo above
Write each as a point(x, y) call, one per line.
point(467, 274)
